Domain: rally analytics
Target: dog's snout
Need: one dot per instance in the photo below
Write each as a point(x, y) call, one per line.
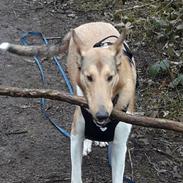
point(102, 115)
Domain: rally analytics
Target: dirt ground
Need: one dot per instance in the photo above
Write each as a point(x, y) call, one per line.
point(31, 149)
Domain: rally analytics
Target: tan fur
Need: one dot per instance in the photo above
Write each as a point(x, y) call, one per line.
point(99, 63)
point(88, 34)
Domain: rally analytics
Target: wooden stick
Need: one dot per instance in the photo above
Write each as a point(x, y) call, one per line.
point(75, 100)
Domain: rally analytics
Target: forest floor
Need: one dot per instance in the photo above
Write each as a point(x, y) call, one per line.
point(32, 150)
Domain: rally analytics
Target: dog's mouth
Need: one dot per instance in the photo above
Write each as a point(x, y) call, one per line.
point(102, 123)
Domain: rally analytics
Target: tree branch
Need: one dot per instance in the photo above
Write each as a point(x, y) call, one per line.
point(62, 96)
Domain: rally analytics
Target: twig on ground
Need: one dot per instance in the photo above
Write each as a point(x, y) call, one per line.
point(16, 132)
point(154, 165)
point(131, 163)
point(121, 116)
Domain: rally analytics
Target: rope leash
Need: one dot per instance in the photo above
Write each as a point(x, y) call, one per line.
point(43, 101)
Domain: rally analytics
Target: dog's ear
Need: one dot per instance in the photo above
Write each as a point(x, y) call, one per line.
point(118, 45)
point(80, 47)
point(78, 43)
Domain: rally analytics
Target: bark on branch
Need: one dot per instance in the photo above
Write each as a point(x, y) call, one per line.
point(121, 116)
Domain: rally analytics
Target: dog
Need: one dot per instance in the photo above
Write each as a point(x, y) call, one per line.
point(101, 69)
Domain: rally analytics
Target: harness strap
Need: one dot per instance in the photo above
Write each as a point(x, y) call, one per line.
point(101, 42)
point(126, 49)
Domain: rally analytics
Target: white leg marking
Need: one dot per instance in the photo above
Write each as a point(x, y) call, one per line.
point(119, 148)
point(4, 46)
point(76, 158)
point(76, 150)
point(87, 147)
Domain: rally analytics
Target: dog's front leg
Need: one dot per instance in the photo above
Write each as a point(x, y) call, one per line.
point(119, 147)
point(77, 138)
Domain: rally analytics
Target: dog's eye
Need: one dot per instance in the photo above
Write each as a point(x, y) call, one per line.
point(90, 78)
point(110, 78)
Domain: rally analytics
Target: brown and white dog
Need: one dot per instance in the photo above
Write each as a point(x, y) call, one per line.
point(99, 73)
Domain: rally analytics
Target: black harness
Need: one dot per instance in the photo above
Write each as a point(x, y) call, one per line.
point(96, 133)
point(102, 42)
point(126, 49)
point(92, 131)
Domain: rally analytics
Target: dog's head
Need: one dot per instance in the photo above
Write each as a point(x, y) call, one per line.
point(98, 75)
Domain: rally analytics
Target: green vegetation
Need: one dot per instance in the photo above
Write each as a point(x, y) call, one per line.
point(95, 5)
point(160, 21)
point(157, 26)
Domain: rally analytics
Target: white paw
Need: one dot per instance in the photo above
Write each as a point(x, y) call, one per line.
point(87, 147)
point(101, 144)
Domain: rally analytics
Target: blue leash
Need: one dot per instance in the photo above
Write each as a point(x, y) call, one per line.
point(24, 41)
point(56, 61)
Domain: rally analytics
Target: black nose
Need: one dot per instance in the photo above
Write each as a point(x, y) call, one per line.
point(102, 115)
